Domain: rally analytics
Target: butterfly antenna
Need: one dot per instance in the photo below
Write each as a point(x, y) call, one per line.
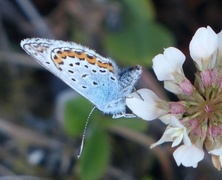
point(84, 132)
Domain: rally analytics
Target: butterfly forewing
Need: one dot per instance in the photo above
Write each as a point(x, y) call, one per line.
point(91, 75)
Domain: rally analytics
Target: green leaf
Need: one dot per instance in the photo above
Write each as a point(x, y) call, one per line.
point(135, 124)
point(76, 112)
point(140, 9)
point(139, 43)
point(95, 156)
point(141, 38)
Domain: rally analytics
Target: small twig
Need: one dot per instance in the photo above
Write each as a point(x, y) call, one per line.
point(36, 20)
point(22, 177)
point(19, 58)
point(4, 171)
point(22, 134)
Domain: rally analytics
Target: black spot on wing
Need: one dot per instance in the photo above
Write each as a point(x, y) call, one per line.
point(70, 71)
point(95, 83)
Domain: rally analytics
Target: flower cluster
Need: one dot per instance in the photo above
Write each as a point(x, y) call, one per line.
point(195, 121)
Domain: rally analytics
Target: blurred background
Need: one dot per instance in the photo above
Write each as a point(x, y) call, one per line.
point(42, 119)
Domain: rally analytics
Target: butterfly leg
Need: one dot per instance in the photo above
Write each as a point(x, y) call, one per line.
point(123, 115)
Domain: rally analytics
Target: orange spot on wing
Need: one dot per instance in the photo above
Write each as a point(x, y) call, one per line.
point(91, 59)
point(71, 53)
point(111, 69)
point(62, 54)
point(80, 55)
point(105, 65)
point(57, 60)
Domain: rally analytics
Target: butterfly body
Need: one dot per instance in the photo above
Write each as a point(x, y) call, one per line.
point(95, 77)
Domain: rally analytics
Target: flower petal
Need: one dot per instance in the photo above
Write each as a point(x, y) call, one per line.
point(166, 119)
point(143, 103)
point(172, 87)
point(217, 152)
point(175, 122)
point(177, 141)
point(175, 56)
point(202, 46)
point(171, 61)
point(186, 139)
point(174, 133)
point(164, 138)
point(188, 155)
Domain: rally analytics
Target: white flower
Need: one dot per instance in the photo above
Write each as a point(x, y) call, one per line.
point(143, 103)
point(168, 66)
point(172, 87)
point(194, 121)
point(175, 133)
point(203, 46)
point(166, 119)
point(184, 87)
point(217, 152)
point(217, 157)
point(188, 155)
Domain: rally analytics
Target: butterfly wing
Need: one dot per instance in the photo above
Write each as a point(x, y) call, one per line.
point(90, 74)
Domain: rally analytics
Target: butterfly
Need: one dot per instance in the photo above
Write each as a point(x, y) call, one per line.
point(96, 78)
